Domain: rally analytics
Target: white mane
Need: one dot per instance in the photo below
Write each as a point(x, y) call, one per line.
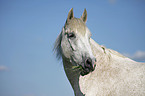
point(57, 46)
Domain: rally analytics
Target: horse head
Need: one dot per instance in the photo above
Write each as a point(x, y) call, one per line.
point(74, 43)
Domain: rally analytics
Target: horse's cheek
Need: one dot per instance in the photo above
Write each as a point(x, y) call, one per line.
point(65, 49)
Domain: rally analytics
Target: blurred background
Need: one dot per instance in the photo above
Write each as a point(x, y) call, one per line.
point(29, 28)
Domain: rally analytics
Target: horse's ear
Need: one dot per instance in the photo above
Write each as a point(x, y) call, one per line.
point(84, 16)
point(70, 14)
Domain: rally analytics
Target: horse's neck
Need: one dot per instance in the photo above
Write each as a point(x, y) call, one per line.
point(71, 74)
point(101, 54)
point(73, 77)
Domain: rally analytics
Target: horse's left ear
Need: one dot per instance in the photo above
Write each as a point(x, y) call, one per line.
point(70, 14)
point(84, 16)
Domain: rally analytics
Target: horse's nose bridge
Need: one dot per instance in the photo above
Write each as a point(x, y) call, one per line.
point(87, 49)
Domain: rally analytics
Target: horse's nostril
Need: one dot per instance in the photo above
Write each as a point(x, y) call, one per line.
point(89, 61)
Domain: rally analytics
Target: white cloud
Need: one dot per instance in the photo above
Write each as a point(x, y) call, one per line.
point(3, 68)
point(138, 55)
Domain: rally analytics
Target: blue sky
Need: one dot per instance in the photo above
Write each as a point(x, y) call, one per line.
point(28, 30)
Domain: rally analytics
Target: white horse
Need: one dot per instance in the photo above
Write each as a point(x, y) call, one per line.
point(94, 70)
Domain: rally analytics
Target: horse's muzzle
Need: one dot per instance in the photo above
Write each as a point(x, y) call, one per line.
point(88, 66)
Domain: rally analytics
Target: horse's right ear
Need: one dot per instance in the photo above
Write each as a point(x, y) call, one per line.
point(70, 14)
point(84, 16)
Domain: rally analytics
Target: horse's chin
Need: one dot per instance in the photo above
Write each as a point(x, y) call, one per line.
point(86, 71)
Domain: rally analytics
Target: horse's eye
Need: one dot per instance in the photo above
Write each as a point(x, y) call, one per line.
point(71, 35)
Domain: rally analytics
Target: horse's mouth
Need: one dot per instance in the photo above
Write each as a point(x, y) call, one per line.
point(86, 67)
point(87, 70)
